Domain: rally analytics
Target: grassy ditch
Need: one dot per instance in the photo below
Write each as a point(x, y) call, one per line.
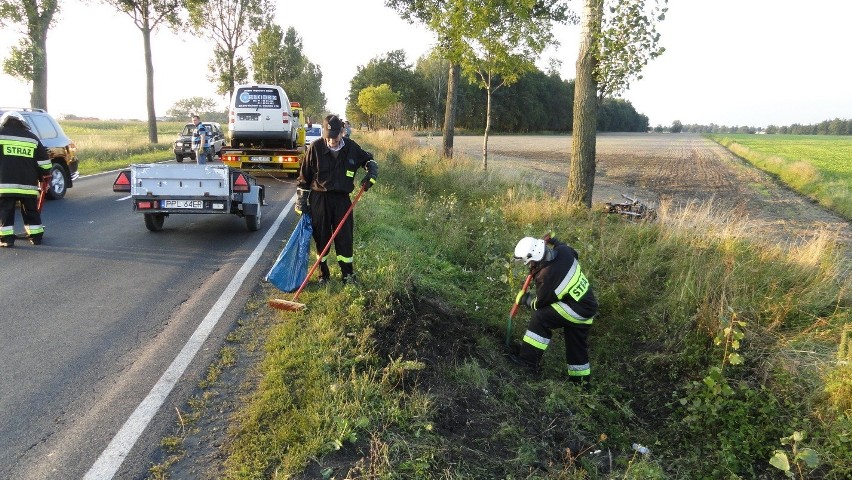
point(109, 145)
point(709, 350)
point(818, 166)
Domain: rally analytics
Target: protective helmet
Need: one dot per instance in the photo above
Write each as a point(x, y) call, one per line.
point(13, 115)
point(530, 249)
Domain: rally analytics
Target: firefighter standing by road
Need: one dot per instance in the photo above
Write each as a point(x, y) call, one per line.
point(563, 299)
point(326, 178)
point(23, 162)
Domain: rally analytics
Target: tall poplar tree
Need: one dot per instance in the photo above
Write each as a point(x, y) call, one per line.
point(28, 60)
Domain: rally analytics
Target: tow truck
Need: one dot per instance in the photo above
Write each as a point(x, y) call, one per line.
point(158, 190)
point(270, 161)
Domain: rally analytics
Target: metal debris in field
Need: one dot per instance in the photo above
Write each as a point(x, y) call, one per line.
point(631, 208)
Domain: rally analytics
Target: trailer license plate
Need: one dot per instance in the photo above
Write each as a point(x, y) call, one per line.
point(197, 204)
point(261, 159)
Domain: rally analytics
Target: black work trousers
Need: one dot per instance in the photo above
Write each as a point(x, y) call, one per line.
point(540, 331)
point(327, 209)
point(29, 213)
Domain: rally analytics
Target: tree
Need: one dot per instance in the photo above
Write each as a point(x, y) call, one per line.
point(277, 59)
point(28, 60)
point(229, 24)
point(186, 107)
point(147, 16)
point(613, 50)
point(677, 127)
point(377, 102)
point(394, 70)
point(498, 41)
point(433, 68)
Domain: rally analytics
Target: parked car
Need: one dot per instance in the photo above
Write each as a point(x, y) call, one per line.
point(312, 133)
point(261, 116)
point(183, 144)
point(60, 149)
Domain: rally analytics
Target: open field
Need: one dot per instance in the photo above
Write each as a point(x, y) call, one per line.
point(818, 166)
point(668, 171)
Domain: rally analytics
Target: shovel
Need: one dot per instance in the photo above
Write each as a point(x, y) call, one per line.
point(293, 305)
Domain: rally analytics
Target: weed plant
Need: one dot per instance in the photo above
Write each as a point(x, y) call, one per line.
point(708, 349)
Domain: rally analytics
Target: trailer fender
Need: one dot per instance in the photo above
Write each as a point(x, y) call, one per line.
point(251, 201)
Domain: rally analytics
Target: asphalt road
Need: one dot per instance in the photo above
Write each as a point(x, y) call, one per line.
point(93, 318)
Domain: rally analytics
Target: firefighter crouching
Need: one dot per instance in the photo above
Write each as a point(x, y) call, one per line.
point(23, 162)
point(563, 299)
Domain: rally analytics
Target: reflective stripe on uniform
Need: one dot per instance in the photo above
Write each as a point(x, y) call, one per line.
point(350, 173)
point(536, 340)
point(34, 229)
point(18, 146)
point(45, 164)
point(579, 370)
point(18, 189)
point(574, 284)
point(8, 230)
point(341, 258)
point(569, 314)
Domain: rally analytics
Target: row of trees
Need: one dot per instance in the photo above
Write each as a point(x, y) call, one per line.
point(536, 102)
point(827, 127)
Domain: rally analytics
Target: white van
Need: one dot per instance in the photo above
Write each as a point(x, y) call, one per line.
point(260, 116)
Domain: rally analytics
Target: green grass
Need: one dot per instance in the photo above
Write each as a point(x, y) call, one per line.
point(708, 349)
point(819, 166)
point(109, 145)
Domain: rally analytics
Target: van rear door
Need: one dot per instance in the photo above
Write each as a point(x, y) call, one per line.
point(260, 108)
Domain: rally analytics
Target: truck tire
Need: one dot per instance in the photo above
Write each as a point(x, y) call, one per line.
point(154, 221)
point(178, 158)
point(253, 221)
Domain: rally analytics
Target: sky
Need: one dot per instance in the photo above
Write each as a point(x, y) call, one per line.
point(728, 62)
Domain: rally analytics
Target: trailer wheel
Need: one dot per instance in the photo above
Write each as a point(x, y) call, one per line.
point(154, 221)
point(253, 221)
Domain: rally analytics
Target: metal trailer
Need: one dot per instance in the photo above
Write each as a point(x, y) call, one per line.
point(159, 190)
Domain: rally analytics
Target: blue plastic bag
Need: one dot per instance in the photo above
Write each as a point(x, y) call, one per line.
point(289, 271)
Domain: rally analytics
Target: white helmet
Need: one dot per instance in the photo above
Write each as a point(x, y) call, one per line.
point(530, 249)
point(13, 114)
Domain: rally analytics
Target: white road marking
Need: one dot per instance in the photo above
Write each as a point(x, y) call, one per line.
point(111, 459)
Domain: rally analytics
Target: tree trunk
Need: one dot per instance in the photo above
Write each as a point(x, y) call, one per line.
point(581, 175)
point(149, 74)
point(38, 97)
point(487, 129)
point(450, 111)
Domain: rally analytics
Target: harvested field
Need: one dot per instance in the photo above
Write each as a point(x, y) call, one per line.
point(671, 172)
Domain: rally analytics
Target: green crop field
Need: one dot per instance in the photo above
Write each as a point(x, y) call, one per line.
point(819, 166)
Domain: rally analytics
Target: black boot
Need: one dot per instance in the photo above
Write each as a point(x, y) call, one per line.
point(324, 273)
point(7, 241)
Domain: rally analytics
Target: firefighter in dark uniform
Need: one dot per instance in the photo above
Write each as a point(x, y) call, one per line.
point(23, 162)
point(563, 299)
point(326, 178)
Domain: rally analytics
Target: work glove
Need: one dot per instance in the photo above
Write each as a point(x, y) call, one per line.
point(524, 298)
point(301, 200)
point(368, 182)
point(46, 178)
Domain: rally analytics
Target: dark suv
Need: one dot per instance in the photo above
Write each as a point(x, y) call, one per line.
point(183, 145)
point(60, 149)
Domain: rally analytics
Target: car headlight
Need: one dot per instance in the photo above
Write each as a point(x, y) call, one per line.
point(178, 144)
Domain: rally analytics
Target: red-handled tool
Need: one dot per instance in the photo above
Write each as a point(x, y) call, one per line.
point(514, 309)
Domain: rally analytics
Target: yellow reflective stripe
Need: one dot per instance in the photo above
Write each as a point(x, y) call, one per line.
point(34, 229)
point(18, 148)
point(20, 191)
point(44, 163)
point(576, 286)
point(350, 173)
point(7, 230)
point(341, 258)
point(579, 370)
point(569, 314)
point(536, 340)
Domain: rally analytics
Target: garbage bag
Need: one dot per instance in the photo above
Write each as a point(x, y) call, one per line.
point(289, 271)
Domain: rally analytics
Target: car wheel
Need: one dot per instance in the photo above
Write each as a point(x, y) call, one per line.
point(192, 156)
point(178, 159)
point(58, 183)
point(253, 221)
point(154, 221)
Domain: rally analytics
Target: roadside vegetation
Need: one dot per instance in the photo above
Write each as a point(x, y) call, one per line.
point(817, 166)
point(724, 358)
point(109, 145)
